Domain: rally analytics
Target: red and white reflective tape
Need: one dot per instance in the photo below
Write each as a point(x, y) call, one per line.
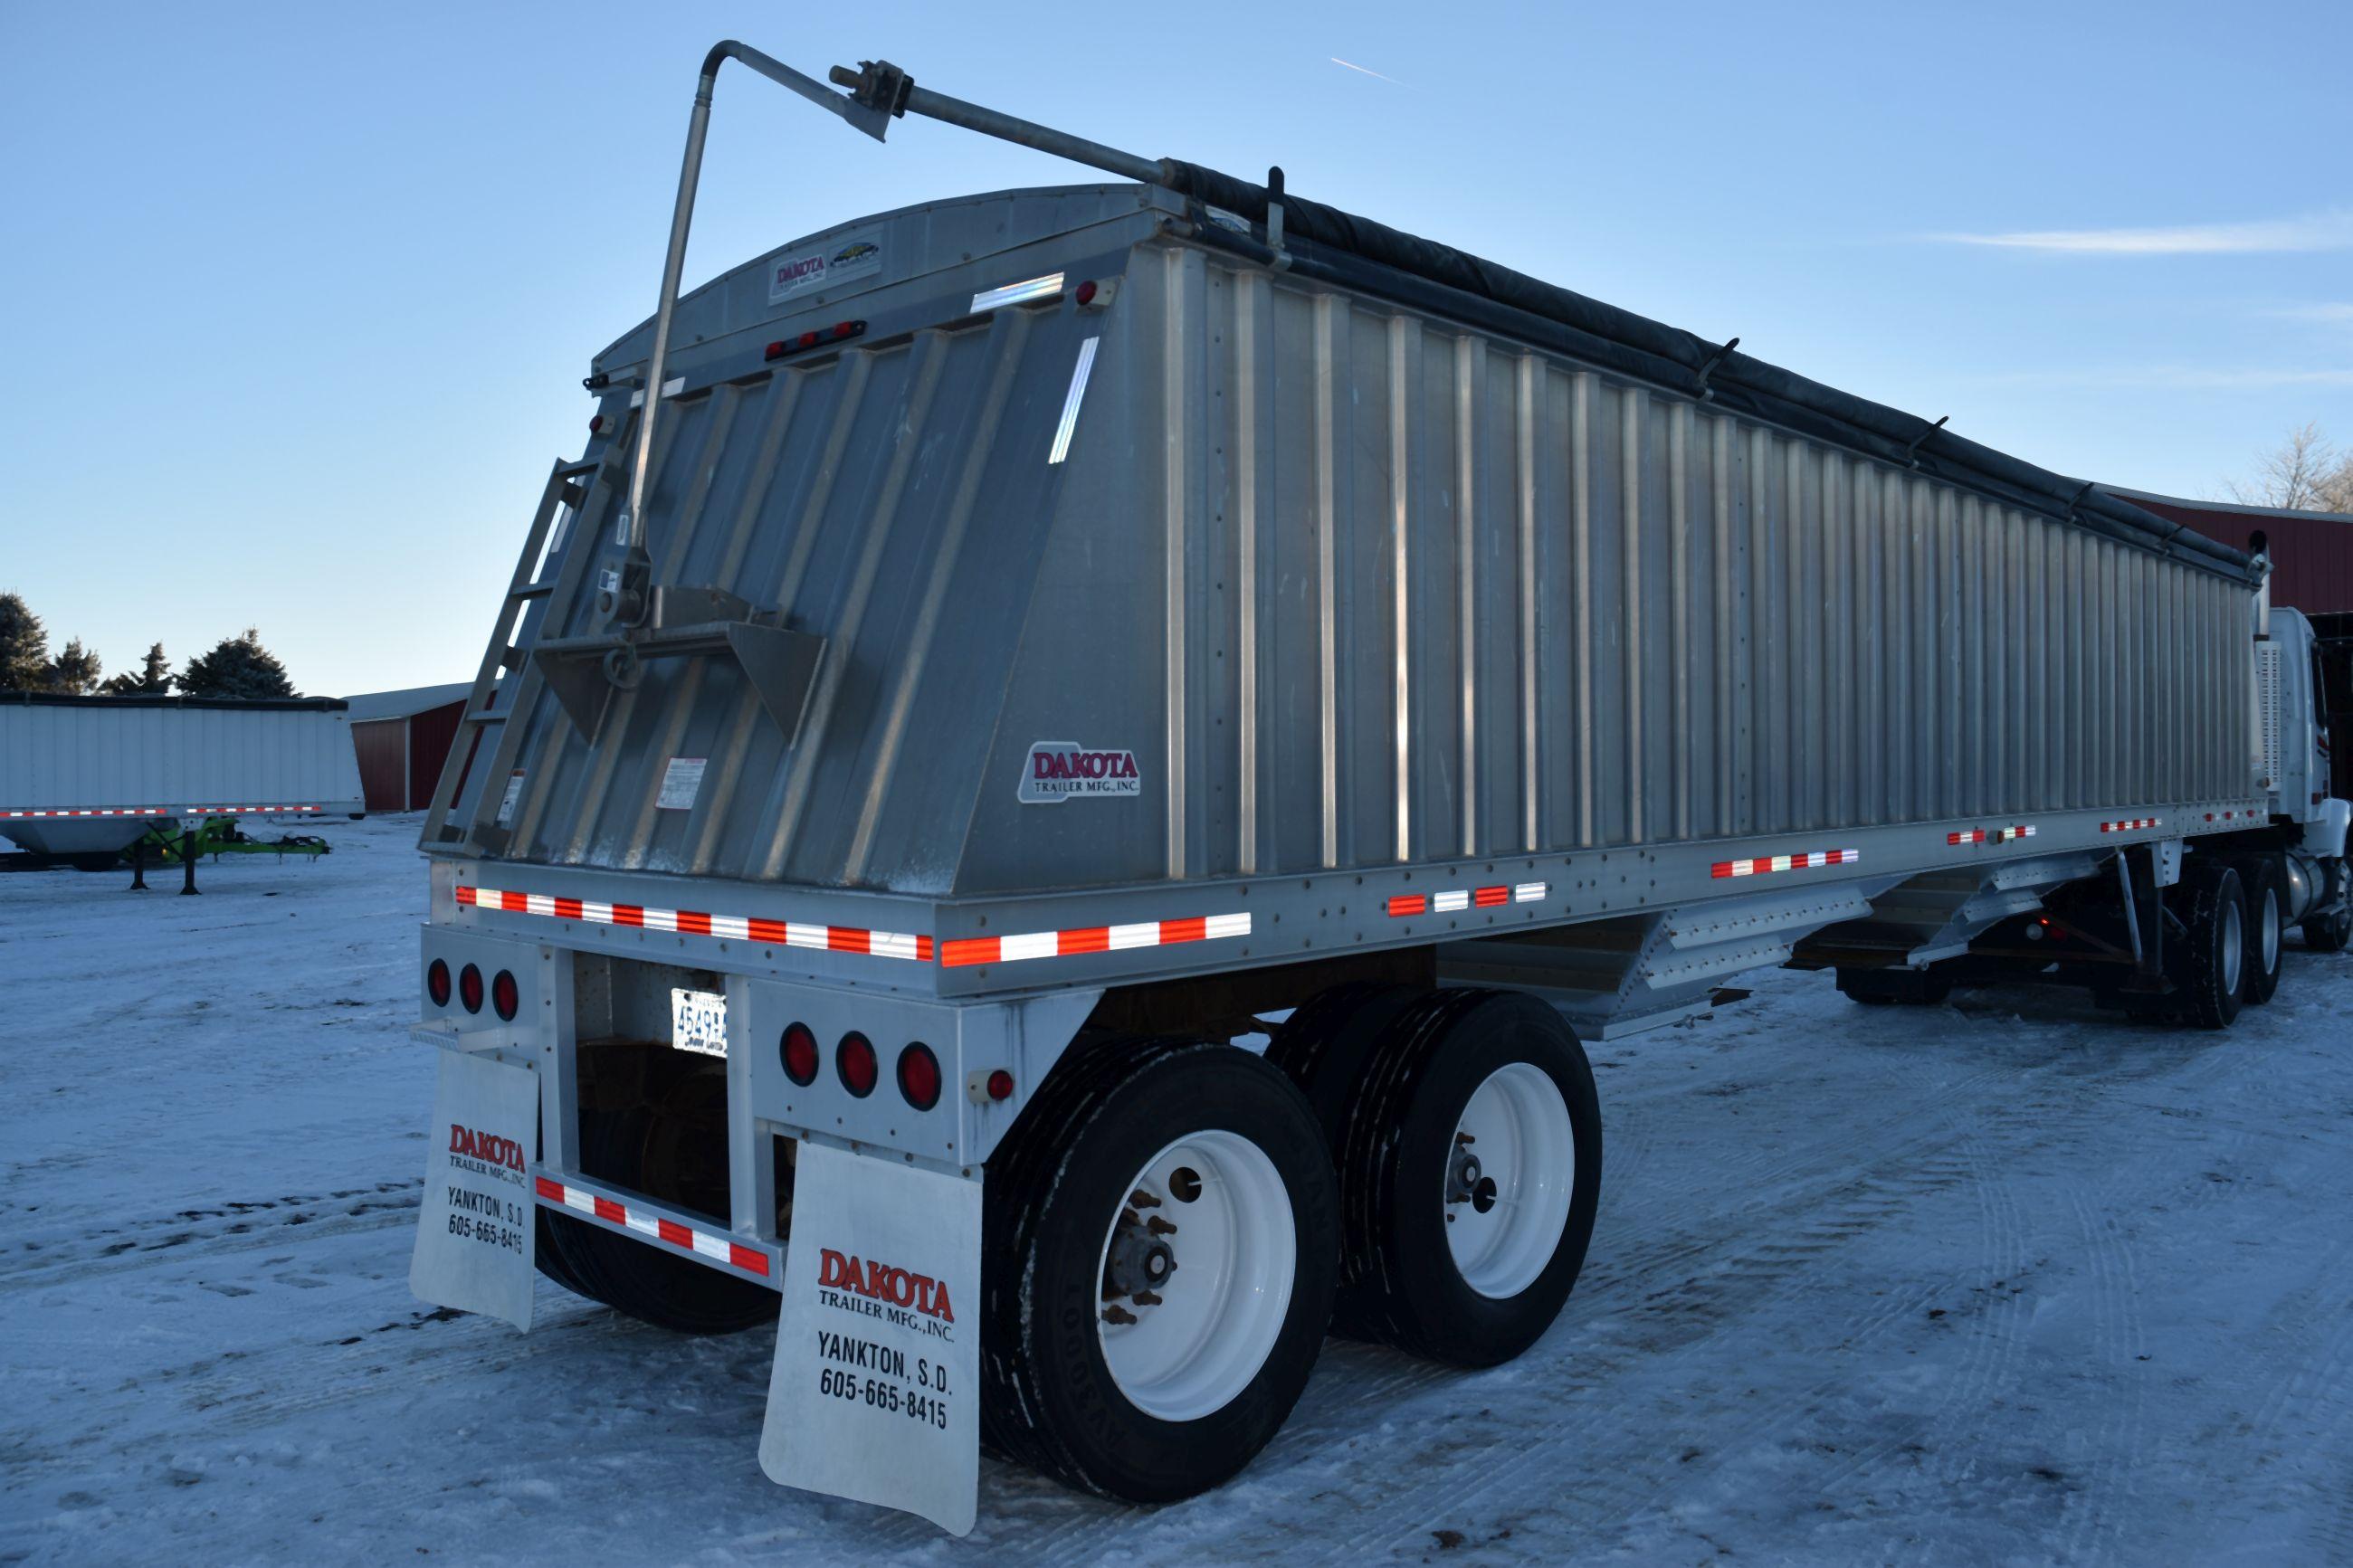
point(693, 922)
point(2229, 815)
point(1454, 899)
point(246, 810)
point(1990, 834)
point(1764, 864)
point(958, 952)
point(718, 1249)
point(2130, 825)
point(99, 811)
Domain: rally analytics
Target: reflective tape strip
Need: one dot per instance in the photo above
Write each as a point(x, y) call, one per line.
point(246, 810)
point(1990, 834)
point(693, 922)
point(2131, 824)
point(960, 951)
point(750, 1259)
point(1455, 899)
point(1764, 864)
point(2229, 815)
point(94, 811)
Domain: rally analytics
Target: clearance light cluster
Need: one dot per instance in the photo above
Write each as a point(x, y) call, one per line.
point(859, 1068)
point(1454, 899)
point(505, 996)
point(840, 331)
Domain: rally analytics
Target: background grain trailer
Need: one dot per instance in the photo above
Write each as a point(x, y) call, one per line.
point(83, 777)
point(1028, 637)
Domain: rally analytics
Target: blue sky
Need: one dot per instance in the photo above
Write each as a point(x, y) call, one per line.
point(298, 297)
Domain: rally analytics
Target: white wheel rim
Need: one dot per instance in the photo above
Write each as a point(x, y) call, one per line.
point(2271, 930)
point(1222, 1309)
point(1502, 1238)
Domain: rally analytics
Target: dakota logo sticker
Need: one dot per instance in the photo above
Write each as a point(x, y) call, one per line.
point(837, 262)
point(1064, 770)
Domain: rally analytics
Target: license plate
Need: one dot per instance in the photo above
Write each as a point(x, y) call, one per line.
point(698, 1021)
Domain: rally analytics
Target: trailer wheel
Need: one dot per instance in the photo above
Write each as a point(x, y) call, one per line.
point(1323, 1048)
point(1161, 1230)
point(2266, 894)
point(2210, 976)
point(1468, 1178)
point(639, 1149)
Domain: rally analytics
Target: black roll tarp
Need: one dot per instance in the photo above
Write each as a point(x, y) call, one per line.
point(1357, 252)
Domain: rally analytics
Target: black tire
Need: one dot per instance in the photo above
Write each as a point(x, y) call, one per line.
point(1886, 988)
point(1055, 1187)
point(636, 1149)
point(1399, 1283)
point(2266, 893)
point(1325, 1047)
point(2209, 965)
point(2331, 932)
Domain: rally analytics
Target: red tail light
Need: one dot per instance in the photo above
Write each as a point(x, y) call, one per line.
point(800, 1053)
point(918, 1075)
point(469, 988)
point(505, 996)
point(854, 1059)
point(1001, 1085)
point(436, 982)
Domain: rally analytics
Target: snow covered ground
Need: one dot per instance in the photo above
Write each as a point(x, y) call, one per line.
point(2014, 1281)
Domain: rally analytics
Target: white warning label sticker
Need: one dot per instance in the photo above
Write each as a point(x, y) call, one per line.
point(682, 782)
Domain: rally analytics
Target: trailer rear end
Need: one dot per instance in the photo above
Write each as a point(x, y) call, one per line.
point(992, 655)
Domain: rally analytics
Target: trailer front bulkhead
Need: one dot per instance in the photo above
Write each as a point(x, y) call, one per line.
point(992, 656)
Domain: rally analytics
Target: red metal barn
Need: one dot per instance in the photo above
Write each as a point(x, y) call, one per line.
point(2312, 552)
point(403, 738)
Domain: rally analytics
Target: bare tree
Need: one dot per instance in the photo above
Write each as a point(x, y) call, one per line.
point(2306, 472)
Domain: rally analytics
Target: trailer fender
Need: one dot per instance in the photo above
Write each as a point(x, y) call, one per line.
point(874, 1392)
point(476, 1227)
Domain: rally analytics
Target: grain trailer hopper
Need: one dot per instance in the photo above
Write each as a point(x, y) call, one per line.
point(990, 654)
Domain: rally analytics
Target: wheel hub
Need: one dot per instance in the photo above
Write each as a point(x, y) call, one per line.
point(1507, 1208)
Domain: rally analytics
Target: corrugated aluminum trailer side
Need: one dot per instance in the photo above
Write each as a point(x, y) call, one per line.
point(992, 653)
point(83, 774)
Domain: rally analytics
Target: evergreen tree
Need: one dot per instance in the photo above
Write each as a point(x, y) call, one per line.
point(238, 666)
point(75, 671)
point(24, 648)
point(153, 679)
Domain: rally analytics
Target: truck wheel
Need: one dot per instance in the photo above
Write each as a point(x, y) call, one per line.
point(2210, 973)
point(1161, 1227)
point(1882, 987)
point(639, 1149)
point(2329, 933)
point(2266, 894)
point(1468, 1178)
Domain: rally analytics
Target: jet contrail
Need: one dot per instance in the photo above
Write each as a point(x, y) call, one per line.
point(1350, 66)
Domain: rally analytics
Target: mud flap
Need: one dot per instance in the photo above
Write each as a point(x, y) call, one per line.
point(875, 1391)
point(475, 1226)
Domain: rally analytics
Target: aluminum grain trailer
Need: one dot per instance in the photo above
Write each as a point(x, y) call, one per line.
point(990, 654)
point(82, 777)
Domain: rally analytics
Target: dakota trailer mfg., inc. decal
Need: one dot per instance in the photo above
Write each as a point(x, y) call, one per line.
point(804, 270)
point(1058, 771)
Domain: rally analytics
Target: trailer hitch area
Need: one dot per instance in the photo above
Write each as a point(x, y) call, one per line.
point(780, 663)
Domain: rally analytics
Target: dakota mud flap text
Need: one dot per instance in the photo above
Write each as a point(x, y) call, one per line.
point(475, 1228)
point(875, 1392)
